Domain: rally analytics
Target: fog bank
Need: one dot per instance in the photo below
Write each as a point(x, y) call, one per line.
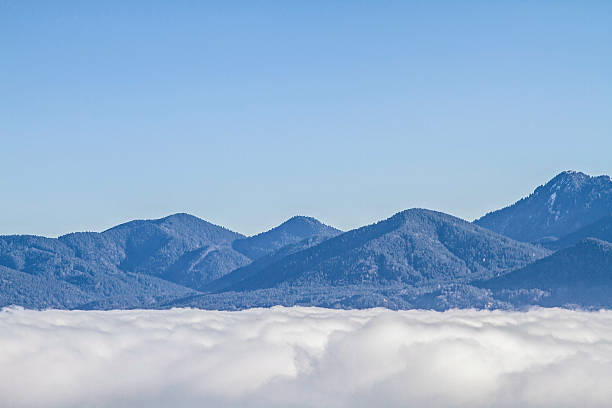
point(302, 357)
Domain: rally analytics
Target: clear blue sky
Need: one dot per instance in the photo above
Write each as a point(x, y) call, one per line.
point(246, 113)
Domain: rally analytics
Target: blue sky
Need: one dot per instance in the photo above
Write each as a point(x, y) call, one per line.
point(246, 113)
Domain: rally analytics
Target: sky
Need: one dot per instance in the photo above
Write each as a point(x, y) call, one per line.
point(247, 113)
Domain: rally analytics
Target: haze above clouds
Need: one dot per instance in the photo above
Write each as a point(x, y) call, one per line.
point(305, 357)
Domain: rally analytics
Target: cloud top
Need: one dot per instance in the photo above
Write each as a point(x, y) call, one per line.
point(303, 357)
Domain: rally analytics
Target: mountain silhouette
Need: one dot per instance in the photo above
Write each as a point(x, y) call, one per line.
point(179, 248)
point(412, 247)
point(290, 232)
point(579, 275)
point(568, 202)
point(417, 258)
point(136, 264)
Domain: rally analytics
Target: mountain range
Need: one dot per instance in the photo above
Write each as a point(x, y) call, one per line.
point(413, 247)
point(550, 248)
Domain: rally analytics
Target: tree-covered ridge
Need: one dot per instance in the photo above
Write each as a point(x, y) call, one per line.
point(413, 247)
point(568, 202)
point(290, 232)
point(140, 263)
point(416, 258)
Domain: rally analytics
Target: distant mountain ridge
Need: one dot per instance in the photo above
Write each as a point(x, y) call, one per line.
point(580, 275)
point(136, 264)
point(263, 262)
point(568, 202)
point(600, 229)
point(48, 261)
point(180, 248)
point(413, 246)
point(589, 261)
point(416, 258)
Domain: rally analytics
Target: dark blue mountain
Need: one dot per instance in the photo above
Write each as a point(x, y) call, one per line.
point(290, 232)
point(414, 259)
point(568, 202)
point(579, 275)
point(38, 292)
point(414, 247)
point(141, 263)
point(136, 264)
point(179, 248)
point(601, 229)
point(263, 262)
point(32, 262)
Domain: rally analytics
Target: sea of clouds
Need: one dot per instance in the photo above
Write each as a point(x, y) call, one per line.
point(305, 357)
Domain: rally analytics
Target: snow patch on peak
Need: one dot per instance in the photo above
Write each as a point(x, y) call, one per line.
point(551, 200)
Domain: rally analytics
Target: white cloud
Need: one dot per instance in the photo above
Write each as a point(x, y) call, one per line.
point(300, 357)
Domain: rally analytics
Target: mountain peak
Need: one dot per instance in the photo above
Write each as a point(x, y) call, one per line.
point(178, 221)
point(182, 217)
point(301, 219)
point(414, 246)
point(566, 203)
point(298, 224)
point(568, 180)
point(571, 175)
point(420, 215)
point(179, 216)
point(291, 231)
point(421, 212)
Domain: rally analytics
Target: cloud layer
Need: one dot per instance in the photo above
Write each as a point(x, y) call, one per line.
point(302, 357)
